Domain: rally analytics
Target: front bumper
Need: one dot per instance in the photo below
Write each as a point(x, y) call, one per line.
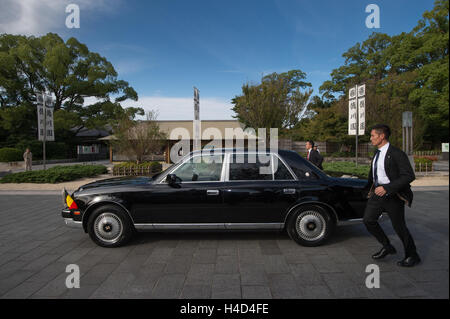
point(69, 219)
point(73, 223)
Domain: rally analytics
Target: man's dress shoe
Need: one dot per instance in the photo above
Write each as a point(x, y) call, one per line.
point(384, 252)
point(409, 261)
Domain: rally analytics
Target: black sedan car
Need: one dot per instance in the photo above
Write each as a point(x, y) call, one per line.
point(220, 189)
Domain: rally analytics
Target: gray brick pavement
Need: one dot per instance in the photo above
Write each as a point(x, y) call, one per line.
point(35, 248)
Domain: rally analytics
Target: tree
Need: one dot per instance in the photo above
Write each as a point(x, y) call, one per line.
point(138, 139)
point(277, 102)
point(405, 72)
point(70, 72)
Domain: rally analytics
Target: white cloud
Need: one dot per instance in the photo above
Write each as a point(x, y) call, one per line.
point(181, 108)
point(37, 17)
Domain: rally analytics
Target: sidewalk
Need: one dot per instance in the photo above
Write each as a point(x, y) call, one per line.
point(21, 167)
point(49, 188)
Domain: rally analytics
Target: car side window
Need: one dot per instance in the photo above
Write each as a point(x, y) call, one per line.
point(280, 170)
point(204, 168)
point(249, 168)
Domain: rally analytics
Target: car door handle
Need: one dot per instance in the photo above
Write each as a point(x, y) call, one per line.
point(289, 190)
point(212, 192)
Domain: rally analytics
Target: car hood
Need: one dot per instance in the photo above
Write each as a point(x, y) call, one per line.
point(117, 181)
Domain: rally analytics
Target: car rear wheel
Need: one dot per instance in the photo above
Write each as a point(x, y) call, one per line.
point(110, 226)
point(310, 225)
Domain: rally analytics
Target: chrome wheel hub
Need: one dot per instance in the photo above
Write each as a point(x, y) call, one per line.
point(310, 225)
point(108, 227)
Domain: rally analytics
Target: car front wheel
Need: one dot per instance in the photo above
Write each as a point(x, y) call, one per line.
point(310, 225)
point(109, 226)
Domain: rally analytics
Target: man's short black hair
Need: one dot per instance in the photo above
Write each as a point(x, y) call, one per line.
point(310, 142)
point(382, 128)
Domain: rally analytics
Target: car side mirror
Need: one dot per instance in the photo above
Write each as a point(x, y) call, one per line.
point(172, 179)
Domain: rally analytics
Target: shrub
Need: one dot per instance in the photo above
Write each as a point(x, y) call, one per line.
point(337, 169)
point(343, 154)
point(131, 168)
point(429, 157)
point(9, 154)
point(55, 174)
point(423, 163)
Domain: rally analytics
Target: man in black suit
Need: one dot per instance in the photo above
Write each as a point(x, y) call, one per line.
point(390, 177)
point(313, 156)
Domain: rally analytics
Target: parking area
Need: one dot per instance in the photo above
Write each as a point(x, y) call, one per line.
point(36, 247)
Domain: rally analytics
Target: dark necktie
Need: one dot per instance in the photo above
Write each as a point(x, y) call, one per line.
point(375, 173)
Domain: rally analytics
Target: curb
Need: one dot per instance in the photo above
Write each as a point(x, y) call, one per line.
point(429, 188)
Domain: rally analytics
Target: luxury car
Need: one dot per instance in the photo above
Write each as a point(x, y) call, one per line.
point(220, 189)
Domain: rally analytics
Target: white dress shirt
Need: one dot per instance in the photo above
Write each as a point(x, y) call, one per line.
point(382, 177)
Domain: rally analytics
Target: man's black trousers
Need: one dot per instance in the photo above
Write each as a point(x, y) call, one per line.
point(395, 208)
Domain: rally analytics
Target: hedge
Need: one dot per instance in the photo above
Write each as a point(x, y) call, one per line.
point(337, 169)
point(131, 168)
point(55, 174)
point(424, 163)
point(9, 154)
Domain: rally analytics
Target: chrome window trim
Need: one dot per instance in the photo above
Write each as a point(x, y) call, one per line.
point(288, 168)
point(188, 158)
point(227, 173)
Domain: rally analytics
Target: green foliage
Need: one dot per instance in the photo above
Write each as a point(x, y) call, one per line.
point(8, 154)
point(343, 154)
point(71, 73)
point(423, 163)
point(56, 174)
point(53, 150)
point(422, 160)
point(277, 102)
point(133, 168)
point(328, 125)
point(337, 169)
point(155, 166)
point(405, 72)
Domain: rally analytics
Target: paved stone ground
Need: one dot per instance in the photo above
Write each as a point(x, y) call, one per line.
point(35, 248)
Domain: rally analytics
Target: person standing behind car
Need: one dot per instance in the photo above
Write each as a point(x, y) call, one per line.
point(389, 180)
point(28, 158)
point(313, 156)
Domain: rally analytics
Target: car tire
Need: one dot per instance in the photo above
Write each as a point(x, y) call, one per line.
point(110, 226)
point(310, 225)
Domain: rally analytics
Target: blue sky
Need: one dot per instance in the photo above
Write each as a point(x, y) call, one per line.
point(165, 47)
